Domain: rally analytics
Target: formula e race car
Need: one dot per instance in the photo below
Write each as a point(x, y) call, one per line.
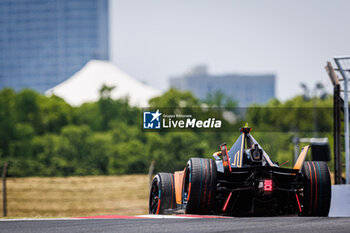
point(243, 181)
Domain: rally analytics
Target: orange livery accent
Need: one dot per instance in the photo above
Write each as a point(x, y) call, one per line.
point(178, 176)
point(189, 191)
point(301, 158)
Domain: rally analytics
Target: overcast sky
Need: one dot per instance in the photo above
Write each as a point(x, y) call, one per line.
point(153, 40)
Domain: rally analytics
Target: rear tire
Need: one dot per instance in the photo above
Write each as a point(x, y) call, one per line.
point(162, 193)
point(317, 189)
point(199, 188)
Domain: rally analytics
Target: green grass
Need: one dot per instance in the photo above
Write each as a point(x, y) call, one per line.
point(77, 196)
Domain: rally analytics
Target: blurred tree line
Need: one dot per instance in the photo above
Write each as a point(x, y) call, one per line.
point(45, 136)
point(277, 123)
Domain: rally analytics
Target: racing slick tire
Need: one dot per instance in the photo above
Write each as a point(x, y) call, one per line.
point(162, 193)
point(317, 189)
point(199, 186)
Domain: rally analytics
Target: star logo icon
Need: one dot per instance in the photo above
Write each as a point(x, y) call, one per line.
point(156, 115)
point(151, 120)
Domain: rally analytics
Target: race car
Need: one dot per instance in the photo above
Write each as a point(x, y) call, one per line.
point(243, 181)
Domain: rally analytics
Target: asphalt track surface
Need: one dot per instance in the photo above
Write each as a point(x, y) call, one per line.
point(266, 224)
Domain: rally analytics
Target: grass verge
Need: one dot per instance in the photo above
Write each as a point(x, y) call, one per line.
point(77, 196)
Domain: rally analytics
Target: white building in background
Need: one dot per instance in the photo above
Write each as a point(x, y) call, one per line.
point(85, 84)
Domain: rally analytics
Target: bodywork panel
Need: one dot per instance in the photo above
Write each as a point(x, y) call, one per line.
point(236, 152)
point(178, 176)
point(301, 158)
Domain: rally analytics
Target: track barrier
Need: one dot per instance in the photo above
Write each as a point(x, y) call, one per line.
point(340, 203)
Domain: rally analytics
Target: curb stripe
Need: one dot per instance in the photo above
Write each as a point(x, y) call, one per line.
point(111, 217)
point(150, 216)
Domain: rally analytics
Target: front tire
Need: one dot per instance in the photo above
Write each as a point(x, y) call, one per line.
point(317, 189)
point(162, 193)
point(199, 188)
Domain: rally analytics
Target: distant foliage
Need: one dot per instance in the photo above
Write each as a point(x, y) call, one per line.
point(45, 136)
